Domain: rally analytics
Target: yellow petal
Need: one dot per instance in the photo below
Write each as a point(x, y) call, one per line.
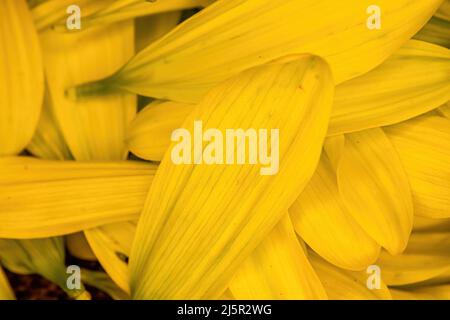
point(79, 248)
point(149, 133)
point(151, 28)
point(321, 219)
point(411, 82)
point(200, 222)
point(375, 188)
point(426, 257)
point(59, 197)
point(277, 269)
point(120, 10)
point(232, 35)
point(334, 147)
point(95, 128)
point(21, 77)
point(48, 141)
point(112, 244)
point(438, 292)
point(423, 145)
point(48, 13)
point(342, 284)
point(6, 293)
point(415, 80)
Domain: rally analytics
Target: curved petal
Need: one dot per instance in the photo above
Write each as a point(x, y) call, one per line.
point(21, 77)
point(234, 35)
point(375, 188)
point(321, 219)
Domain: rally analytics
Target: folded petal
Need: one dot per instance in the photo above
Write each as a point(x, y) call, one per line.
point(321, 219)
point(423, 145)
point(277, 269)
point(200, 222)
point(233, 35)
point(61, 197)
point(21, 77)
point(375, 188)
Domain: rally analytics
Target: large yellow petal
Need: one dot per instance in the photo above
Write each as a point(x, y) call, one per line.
point(232, 35)
point(40, 198)
point(375, 188)
point(201, 221)
point(415, 80)
point(21, 77)
point(423, 145)
point(342, 284)
point(277, 269)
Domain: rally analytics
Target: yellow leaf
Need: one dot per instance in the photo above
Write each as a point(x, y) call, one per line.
point(233, 35)
point(21, 77)
point(200, 222)
point(375, 188)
